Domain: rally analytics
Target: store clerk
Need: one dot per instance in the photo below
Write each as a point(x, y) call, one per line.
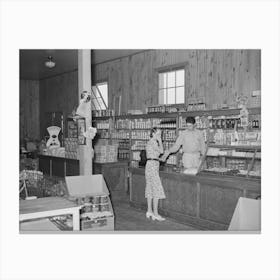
point(193, 144)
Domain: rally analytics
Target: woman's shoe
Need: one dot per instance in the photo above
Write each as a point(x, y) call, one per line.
point(158, 218)
point(149, 215)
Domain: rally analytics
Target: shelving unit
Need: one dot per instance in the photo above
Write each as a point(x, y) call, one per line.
point(221, 129)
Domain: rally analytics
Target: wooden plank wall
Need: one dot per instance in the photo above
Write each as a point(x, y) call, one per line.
point(217, 75)
point(58, 94)
point(29, 110)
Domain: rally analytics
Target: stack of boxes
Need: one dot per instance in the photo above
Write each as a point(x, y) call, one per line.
point(103, 154)
point(91, 194)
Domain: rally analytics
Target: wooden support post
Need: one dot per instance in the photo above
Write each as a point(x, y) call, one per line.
point(84, 82)
point(198, 200)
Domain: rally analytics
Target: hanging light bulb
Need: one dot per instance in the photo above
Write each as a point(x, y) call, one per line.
point(50, 63)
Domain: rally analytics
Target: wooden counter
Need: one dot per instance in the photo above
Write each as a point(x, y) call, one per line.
point(204, 201)
point(115, 173)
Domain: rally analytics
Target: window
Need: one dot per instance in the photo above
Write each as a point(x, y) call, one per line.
point(172, 87)
point(100, 96)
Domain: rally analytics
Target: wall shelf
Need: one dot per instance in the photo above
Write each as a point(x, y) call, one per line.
point(162, 117)
point(236, 147)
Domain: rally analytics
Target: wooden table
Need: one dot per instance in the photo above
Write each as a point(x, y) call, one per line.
point(49, 207)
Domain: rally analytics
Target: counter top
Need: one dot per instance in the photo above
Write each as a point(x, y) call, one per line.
point(56, 157)
point(210, 179)
point(120, 162)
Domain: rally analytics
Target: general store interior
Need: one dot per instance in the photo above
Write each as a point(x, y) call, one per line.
point(132, 90)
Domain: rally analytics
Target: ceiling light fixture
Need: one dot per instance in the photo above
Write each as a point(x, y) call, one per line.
point(50, 63)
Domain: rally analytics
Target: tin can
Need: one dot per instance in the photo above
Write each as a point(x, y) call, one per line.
point(80, 200)
point(82, 210)
point(95, 207)
point(104, 207)
point(87, 207)
point(104, 199)
point(95, 200)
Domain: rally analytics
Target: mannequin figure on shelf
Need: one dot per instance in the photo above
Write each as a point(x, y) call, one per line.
point(82, 108)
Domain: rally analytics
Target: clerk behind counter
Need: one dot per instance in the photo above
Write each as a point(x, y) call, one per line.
point(192, 142)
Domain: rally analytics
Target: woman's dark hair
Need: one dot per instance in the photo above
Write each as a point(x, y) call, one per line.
point(153, 130)
point(190, 120)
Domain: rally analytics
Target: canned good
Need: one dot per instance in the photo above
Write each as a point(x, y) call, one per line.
point(87, 207)
point(95, 200)
point(95, 207)
point(80, 200)
point(87, 199)
point(104, 199)
point(104, 207)
point(82, 210)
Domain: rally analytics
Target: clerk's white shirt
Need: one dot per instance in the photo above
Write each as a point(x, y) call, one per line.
point(192, 141)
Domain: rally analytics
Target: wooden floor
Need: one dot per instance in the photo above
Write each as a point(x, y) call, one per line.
point(128, 218)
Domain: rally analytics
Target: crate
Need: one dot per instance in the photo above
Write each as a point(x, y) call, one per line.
point(82, 187)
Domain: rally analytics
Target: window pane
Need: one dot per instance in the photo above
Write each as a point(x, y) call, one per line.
point(161, 77)
point(162, 80)
point(171, 79)
point(180, 78)
point(162, 96)
point(171, 96)
point(103, 88)
point(165, 80)
point(180, 95)
point(96, 105)
point(102, 105)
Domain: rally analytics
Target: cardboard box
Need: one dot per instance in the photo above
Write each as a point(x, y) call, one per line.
point(91, 186)
point(88, 185)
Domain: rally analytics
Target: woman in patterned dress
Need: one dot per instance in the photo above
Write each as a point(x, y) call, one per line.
point(154, 190)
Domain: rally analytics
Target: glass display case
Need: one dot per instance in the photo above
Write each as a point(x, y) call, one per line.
point(233, 160)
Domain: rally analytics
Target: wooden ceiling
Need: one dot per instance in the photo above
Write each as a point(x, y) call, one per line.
point(32, 62)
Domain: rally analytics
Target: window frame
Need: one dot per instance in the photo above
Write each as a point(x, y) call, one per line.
point(167, 69)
